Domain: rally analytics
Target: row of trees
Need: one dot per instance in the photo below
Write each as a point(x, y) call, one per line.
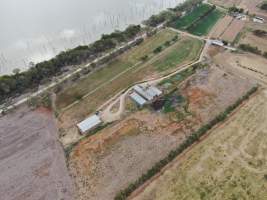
point(194, 137)
point(171, 14)
point(19, 82)
point(252, 49)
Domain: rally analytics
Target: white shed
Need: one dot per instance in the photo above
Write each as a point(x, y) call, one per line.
point(138, 99)
point(89, 124)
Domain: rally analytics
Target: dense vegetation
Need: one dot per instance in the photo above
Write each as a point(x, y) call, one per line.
point(171, 14)
point(260, 33)
point(194, 137)
point(234, 9)
point(264, 6)
point(18, 83)
point(192, 17)
point(204, 25)
point(252, 49)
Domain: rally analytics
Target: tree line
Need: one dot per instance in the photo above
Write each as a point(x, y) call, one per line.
point(194, 137)
point(20, 82)
point(252, 49)
point(171, 14)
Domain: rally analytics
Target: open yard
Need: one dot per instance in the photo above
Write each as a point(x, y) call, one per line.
point(108, 161)
point(184, 51)
point(231, 163)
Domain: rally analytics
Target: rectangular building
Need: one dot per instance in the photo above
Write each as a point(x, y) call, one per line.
point(89, 124)
point(138, 99)
point(143, 93)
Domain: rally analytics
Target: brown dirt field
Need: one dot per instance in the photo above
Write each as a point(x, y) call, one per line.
point(225, 3)
point(254, 40)
point(248, 65)
point(232, 31)
point(221, 26)
point(251, 6)
point(224, 165)
point(32, 161)
point(107, 162)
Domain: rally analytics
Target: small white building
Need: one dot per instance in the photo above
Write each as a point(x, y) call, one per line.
point(89, 124)
point(138, 99)
point(258, 20)
point(217, 42)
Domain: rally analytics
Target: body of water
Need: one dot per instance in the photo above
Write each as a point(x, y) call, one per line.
point(36, 30)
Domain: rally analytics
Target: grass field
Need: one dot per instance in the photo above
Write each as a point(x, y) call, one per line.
point(117, 66)
point(191, 17)
point(205, 25)
point(231, 163)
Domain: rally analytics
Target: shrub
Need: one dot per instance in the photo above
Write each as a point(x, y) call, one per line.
point(249, 48)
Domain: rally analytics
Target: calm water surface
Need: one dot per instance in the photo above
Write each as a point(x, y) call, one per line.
point(36, 30)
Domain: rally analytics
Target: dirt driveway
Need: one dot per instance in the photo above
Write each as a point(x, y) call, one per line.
point(32, 163)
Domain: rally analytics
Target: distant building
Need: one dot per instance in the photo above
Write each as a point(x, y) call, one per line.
point(148, 92)
point(89, 124)
point(258, 19)
point(143, 93)
point(217, 42)
point(138, 99)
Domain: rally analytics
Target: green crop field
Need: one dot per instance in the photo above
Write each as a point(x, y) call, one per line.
point(203, 26)
point(187, 49)
point(191, 17)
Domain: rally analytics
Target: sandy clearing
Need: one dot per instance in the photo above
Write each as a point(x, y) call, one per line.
point(32, 162)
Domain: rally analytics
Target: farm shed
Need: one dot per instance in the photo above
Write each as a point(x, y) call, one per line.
point(138, 99)
point(89, 124)
point(153, 91)
point(143, 93)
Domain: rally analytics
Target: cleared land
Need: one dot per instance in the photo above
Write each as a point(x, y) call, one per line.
point(250, 65)
point(32, 162)
point(225, 3)
point(233, 30)
point(190, 18)
point(230, 164)
point(184, 51)
point(253, 40)
point(104, 163)
point(221, 26)
point(205, 25)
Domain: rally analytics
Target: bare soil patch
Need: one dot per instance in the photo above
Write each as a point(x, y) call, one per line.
point(226, 165)
point(32, 162)
point(233, 30)
point(221, 26)
point(107, 162)
point(248, 65)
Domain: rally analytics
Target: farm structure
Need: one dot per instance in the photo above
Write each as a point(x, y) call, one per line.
point(258, 20)
point(144, 94)
point(89, 124)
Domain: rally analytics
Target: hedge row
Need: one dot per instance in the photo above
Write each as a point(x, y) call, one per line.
point(252, 49)
point(123, 194)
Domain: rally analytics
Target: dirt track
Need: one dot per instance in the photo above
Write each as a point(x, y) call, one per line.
point(32, 162)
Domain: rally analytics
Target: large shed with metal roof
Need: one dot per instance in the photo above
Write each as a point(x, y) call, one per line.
point(89, 124)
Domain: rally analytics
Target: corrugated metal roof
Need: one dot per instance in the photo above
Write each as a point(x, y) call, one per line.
point(153, 91)
point(141, 92)
point(89, 123)
point(138, 99)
